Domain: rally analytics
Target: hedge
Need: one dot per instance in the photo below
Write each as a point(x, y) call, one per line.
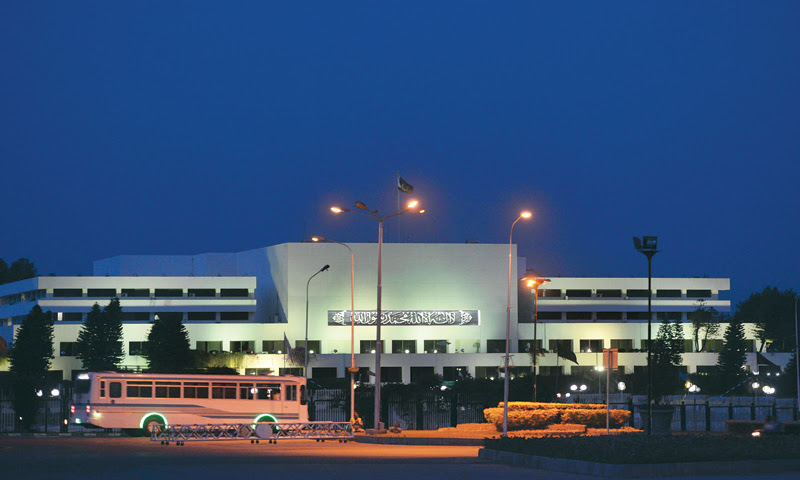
point(535, 416)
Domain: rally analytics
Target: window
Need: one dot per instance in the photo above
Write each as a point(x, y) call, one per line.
point(234, 316)
point(550, 371)
point(527, 345)
point(234, 292)
point(195, 390)
point(435, 346)
point(637, 316)
point(495, 346)
point(585, 371)
point(168, 389)
point(67, 292)
point(139, 389)
point(202, 292)
point(68, 349)
point(201, 316)
point(623, 345)
point(557, 345)
point(635, 293)
point(671, 316)
point(246, 391)
point(169, 292)
point(668, 293)
point(137, 348)
point(391, 374)
point(591, 345)
point(323, 372)
point(404, 346)
point(243, 346)
point(70, 316)
point(135, 292)
point(115, 390)
point(101, 293)
point(272, 346)
point(609, 293)
point(135, 316)
point(579, 315)
point(452, 374)
point(296, 371)
point(486, 372)
point(209, 346)
point(226, 390)
point(609, 316)
point(268, 391)
point(170, 316)
point(368, 346)
point(698, 293)
point(548, 316)
point(688, 346)
point(102, 389)
point(579, 293)
point(551, 292)
point(421, 374)
point(314, 346)
point(713, 345)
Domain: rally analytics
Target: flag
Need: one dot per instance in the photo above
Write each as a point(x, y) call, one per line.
point(565, 353)
point(404, 186)
point(287, 345)
point(683, 375)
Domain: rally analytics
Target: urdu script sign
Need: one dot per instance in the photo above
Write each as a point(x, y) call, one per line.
point(455, 318)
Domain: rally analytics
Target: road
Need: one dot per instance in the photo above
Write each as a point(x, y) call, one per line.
point(137, 458)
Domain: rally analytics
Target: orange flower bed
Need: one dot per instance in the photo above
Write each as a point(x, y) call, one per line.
point(537, 416)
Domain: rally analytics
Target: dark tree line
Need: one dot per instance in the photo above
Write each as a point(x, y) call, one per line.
point(22, 269)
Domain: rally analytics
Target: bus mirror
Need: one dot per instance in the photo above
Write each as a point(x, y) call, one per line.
point(303, 400)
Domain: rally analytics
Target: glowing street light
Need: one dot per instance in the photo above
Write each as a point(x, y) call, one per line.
point(535, 282)
point(353, 370)
point(411, 207)
point(524, 214)
point(647, 245)
point(305, 360)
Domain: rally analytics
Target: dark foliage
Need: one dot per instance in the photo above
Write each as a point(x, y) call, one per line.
point(31, 355)
point(22, 269)
point(169, 350)
point(732, 357)
point(100, 339)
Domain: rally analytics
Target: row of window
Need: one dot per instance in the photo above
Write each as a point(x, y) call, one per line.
point(68, 349)
point(629, 293)
point(149, 316)
point(604, 316)
point(146, 292)
point(189, 389)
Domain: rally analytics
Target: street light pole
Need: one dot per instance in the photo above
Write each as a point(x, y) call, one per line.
point(647, 245)
point(305, 361)
point(375, 214)
point(796, 351)
point(536, 283)
point(508, 327)
point(352, 368)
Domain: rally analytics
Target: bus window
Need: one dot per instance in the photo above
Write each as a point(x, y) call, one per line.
point(246, 391)
point(223, 390)
point(265, 391)
point(195, 390)
point(303, 395)
point(102, 389)
point(168, 389)
point(115, 389)
point(291, 393)
point(82, 385)
point(139, 389)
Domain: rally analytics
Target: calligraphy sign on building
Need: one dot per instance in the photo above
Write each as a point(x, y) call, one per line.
point(407, 317)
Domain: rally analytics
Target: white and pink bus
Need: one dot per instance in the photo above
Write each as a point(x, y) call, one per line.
point(139, 400)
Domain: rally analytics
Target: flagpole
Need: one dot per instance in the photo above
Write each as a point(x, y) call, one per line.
point(397, 220)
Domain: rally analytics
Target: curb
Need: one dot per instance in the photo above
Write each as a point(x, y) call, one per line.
point(387, 440)
point(61, 435)
point(638, 470)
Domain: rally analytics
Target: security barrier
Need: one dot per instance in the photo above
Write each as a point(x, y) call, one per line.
point(320, 431)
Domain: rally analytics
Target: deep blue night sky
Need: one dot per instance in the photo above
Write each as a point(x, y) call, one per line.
point(186, 127)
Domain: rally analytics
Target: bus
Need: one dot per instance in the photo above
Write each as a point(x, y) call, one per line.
point(141, 400)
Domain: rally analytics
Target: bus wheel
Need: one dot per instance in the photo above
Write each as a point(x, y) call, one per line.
point(152, 424)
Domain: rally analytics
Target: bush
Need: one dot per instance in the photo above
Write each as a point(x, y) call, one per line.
point(534, 416)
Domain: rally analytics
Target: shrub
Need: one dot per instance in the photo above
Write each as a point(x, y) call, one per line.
point(596, 418)
point(550, 406)
point(532, 416)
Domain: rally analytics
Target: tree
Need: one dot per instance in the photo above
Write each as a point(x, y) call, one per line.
point(100, 340)
point(732, 356)
point(22, 269)
point(3, 272)
point(31, 354)
point(772, 311)
point(705, 323)
point(667, 359)
point(168, 350)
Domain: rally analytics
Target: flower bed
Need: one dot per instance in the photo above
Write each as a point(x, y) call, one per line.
point(534, 416)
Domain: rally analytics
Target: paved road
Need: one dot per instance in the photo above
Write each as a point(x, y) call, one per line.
point(137, 458)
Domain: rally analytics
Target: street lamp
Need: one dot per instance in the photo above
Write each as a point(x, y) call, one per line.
point(535, 283)
point(305, 361)
point(648, 246)
point(375, 215)
point(508, 327)
point(352, 368)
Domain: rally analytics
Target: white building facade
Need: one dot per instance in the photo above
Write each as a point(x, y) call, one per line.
point(444, 309)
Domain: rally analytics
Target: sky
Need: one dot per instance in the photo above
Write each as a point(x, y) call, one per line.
point(187, 127)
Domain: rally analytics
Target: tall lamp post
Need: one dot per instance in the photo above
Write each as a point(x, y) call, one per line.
point(648, 246)
point(508, 327)
point(352, 368)
point(535, 283)
point(305, 361)
point(375, 215)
